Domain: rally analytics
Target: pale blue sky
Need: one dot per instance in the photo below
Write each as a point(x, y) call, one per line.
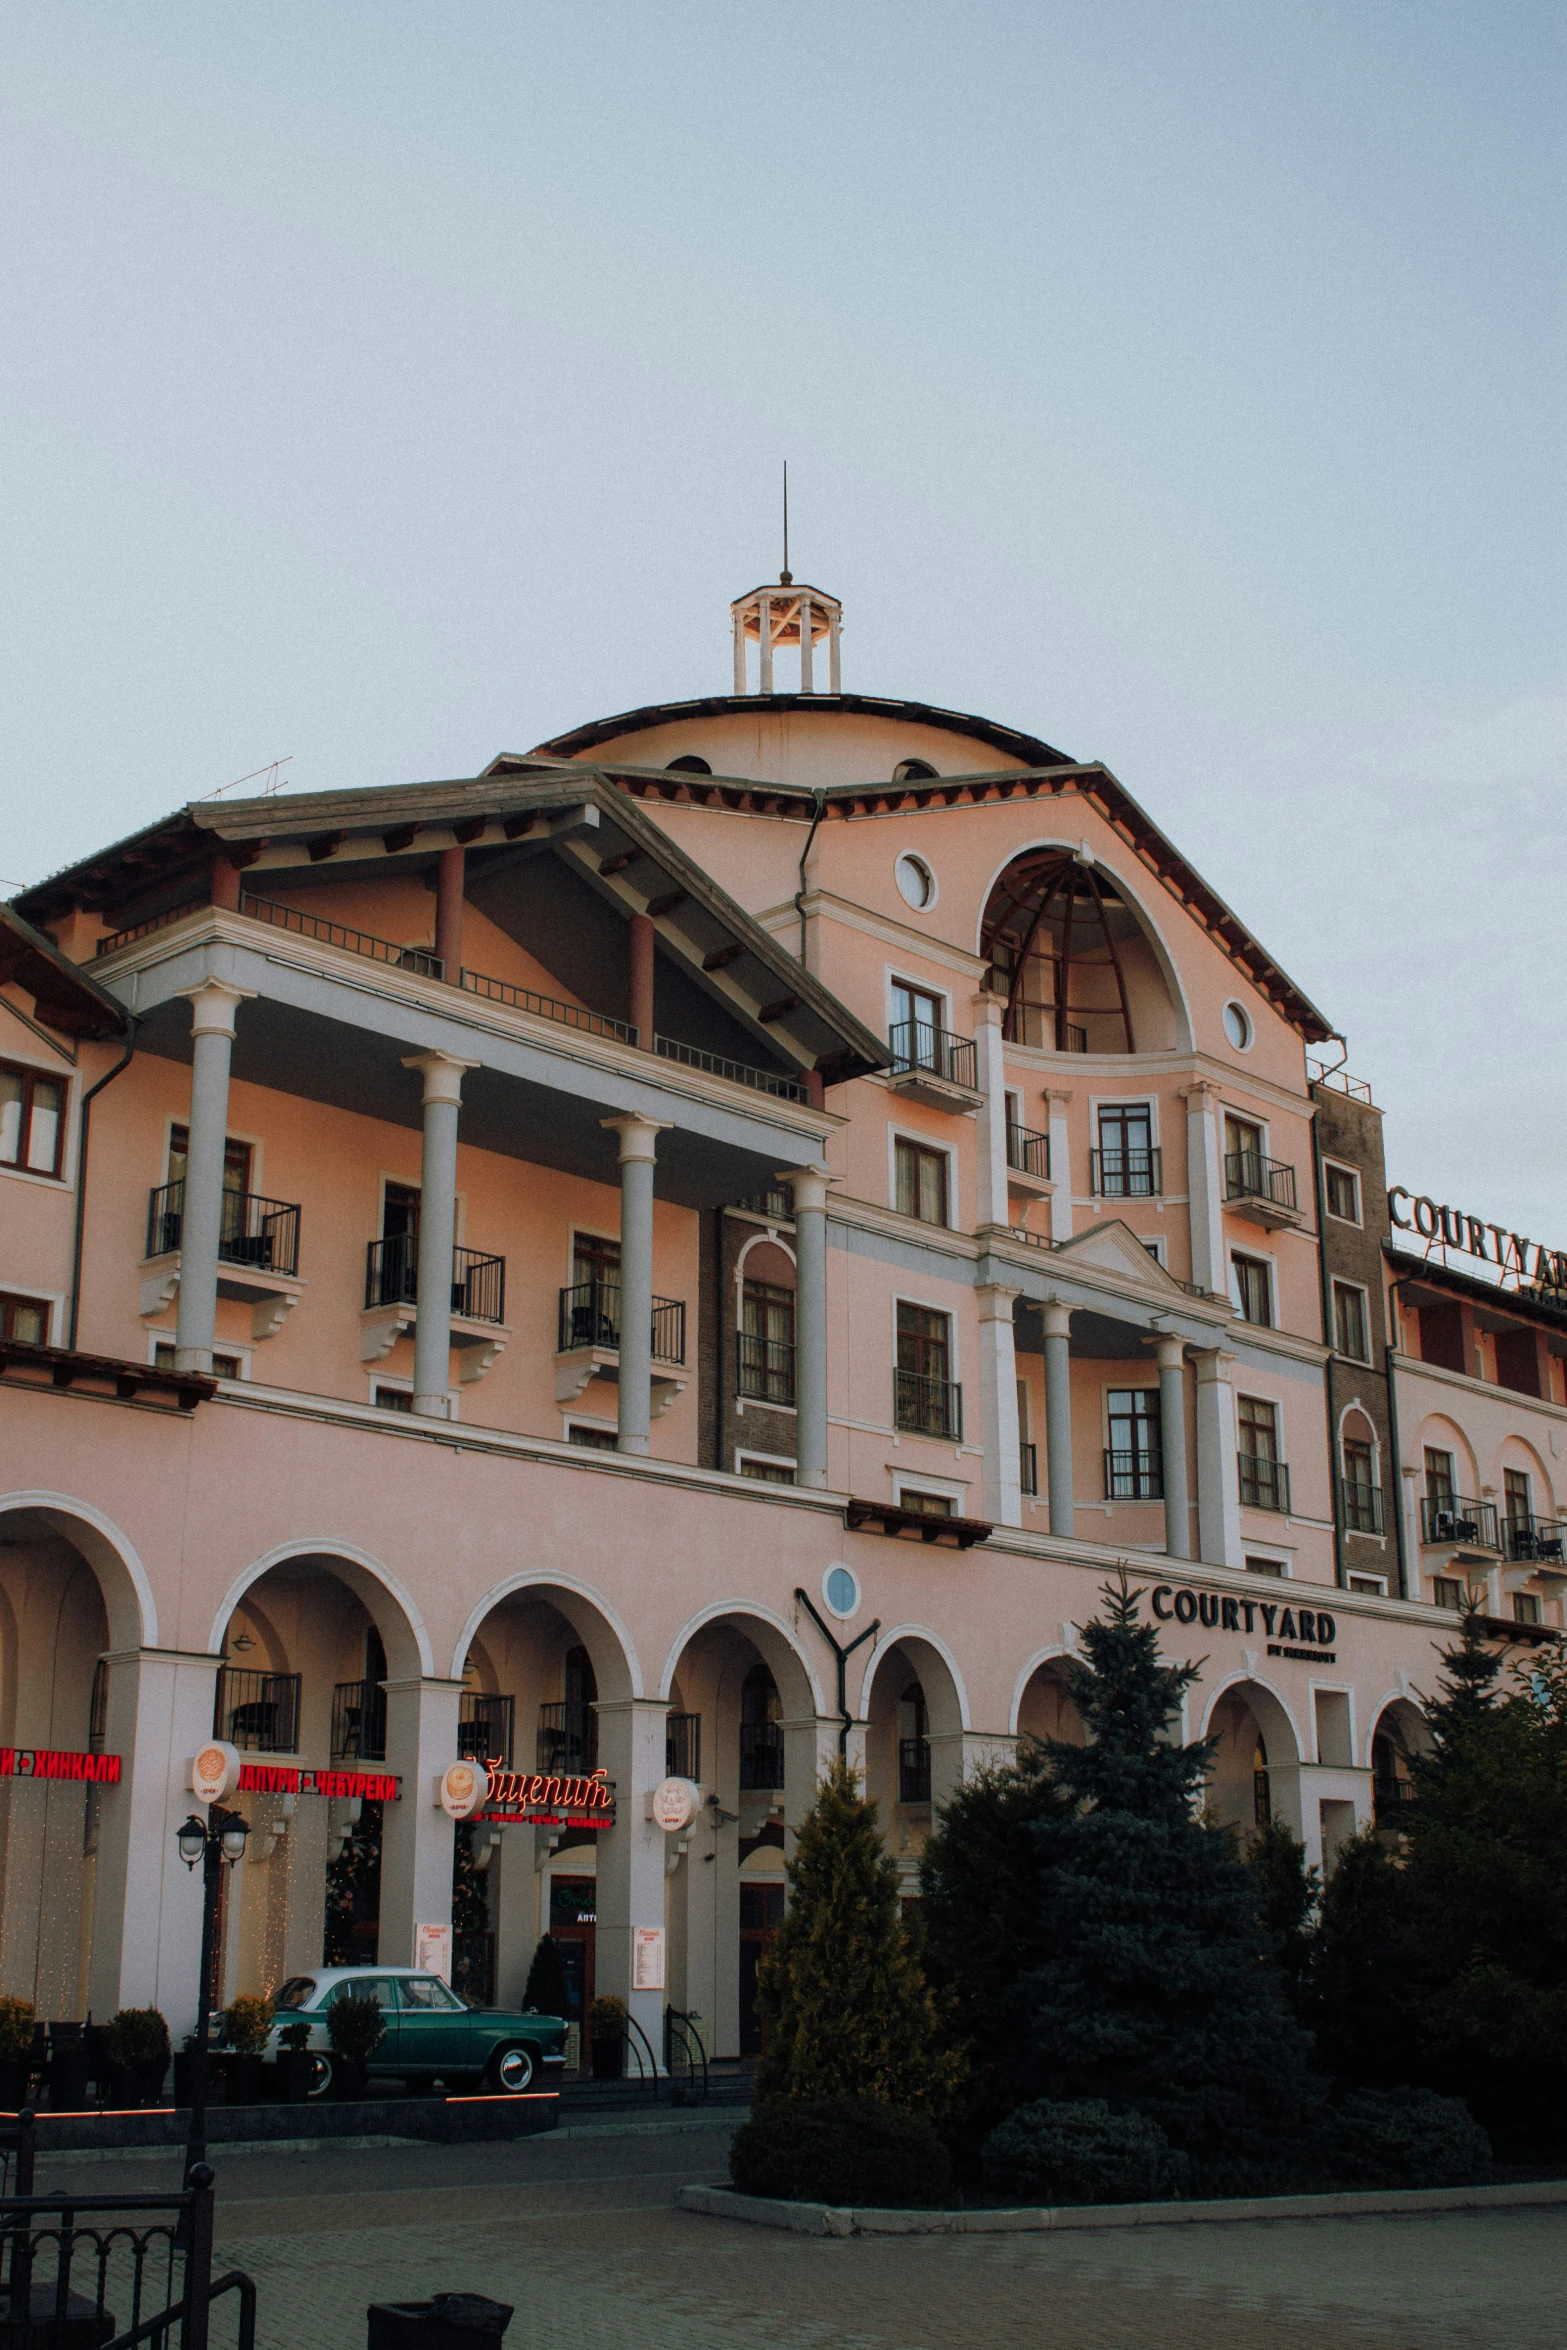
point(393, 385)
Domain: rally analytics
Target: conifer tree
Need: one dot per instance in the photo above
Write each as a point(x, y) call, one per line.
point(1287, 1891)
point(845, 2007)
point(546, 1991)
point(1360, 1974)
point(1148, 1992)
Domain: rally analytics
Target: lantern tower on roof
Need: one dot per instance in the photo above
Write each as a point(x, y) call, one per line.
point(783, 613)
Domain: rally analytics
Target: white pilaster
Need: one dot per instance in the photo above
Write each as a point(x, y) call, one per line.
point(1058, 1417)
point(1204, 1184)
point(807, 685)
point(1218, 1484)
point(1058, 1100)
point(834, 676)
point(764, 615)
point(442, 1074)
point(637, 1147)
point(631, 1857)
point(990, 1067)
point(1003, 1493)
point(416, 1834)
point(1171, 1351)
point(809, 1186)
point(213, 1005)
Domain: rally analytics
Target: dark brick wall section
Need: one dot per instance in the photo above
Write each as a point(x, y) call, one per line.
point(1350, 1134)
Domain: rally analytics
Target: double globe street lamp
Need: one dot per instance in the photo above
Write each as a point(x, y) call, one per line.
point(217, 1842)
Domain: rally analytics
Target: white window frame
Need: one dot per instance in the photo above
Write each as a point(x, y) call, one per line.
point(768, 1460)
point(1250, 1550)
point(67, 1079)
point(1369, 1585)
point(570, 1420)
point(944, 1488)
point(1257, 1257)
point(930, 1305)
point(157, 1338)
point(894, 975)
point(925, 1142)
point(1335, 1284)
point(52, 1301)
point(1343, 1167)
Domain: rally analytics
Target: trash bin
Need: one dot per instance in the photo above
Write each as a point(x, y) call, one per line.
point(452, 2321)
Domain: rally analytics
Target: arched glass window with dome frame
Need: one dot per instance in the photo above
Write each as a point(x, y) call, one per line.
point(1051, 935)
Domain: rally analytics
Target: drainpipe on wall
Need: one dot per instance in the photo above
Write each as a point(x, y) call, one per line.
point(1326, 1281)
point(1397, 1480)
point(83, 1133)
point(845, 1711)
point(799, 895)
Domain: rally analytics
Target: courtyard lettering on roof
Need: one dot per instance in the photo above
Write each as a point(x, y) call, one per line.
point(1543, 1268)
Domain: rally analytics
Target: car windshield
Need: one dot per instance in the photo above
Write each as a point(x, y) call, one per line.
point(297, 1992)
point(428, 1992)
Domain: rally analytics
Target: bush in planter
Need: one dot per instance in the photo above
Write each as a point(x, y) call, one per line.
point(295, 2065)
point(356, 2027)
point(16, 2049)
point(247, 2025)
point(1404, 2138)
point(845, 2150)
point(607, 2031)
point(1081, 2151)
point(136, 2042)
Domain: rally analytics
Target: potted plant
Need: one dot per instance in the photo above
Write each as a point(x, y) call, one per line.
point(607, 2031)
point(247, 2025)
point(356, 2027)
point(296, 2067)
point(137, 2041)
point(16, 2052)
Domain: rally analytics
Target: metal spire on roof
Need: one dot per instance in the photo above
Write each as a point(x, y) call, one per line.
point(786, 576)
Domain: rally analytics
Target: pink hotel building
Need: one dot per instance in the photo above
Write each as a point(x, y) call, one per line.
point(698, 1246)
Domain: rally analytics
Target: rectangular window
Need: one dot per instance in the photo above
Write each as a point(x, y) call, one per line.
point(1349, 1317)
point(224, 1366)
point(1447, 1592)
point(394, 1399)
point(766, 1472)
point(927, 1403)
point(1357, 1465)
point(1439, 1479)
point(1243, 1140)
point(1526, 1608)
point(236, 1162)
point(767, 1342)
point(1375, 1586)
point(593, 1439)
point(925, 1505)
point(27, 1318)
point(1343, 1190)
point(1134, 1464)
point(1264, 1480)
point(1252, 1289)
point(919, 1011)
point(1128, 1163)
point(1515, 1493)
point(921, 1182)
point(1255, 1566)
point(32, 1120)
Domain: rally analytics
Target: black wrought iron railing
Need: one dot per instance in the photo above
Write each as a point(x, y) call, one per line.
point(761, 1756)
point(170, 914)
point(1028, 1462)
point(1265, 1484)
point(359, 1722)
point(914, 1770)
point(1361, 1506)
point(590, 1316)
point(485, 1724)
point(1453, 1517)
point(1133, 1476)
point(257, 1712)
point(1529, 1538)
point(1134, 1174)
point(773, 1081)
point(936, 1051)
point(1391, 1799)
point(683, 1746)
point(116, 2269)
point(419, 960)
point(1029, 1153)
point(260, 1233)
point(546, 1007)
point(764, 1368)
point(1249, 1176)
point(568, 1737)
point(392, 1278)
point(923, 1406)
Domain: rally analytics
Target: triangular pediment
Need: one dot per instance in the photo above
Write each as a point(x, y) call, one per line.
point(1114, 1248)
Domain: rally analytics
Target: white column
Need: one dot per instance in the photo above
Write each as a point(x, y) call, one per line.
point(1003, 1486)
point(637, 1143)
point(834, 675)
point(1407, 1498)
point(1058, 1417)
point(956, 1754)
point(1218, 1485)
point(765, 616)
point(809, 1186)
point(1057, 1103)
point(442, 1075)
point(990, 1206)
point(1204, 1182)
point(631, 1857)
point(1171, 1351)
point(810, 1744)
point(739, 652)
point(146, 1949)
point(416, 1834)
point(213, 1006)
point(806, 648)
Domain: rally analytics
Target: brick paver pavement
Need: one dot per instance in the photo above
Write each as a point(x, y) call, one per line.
point(579, 2234)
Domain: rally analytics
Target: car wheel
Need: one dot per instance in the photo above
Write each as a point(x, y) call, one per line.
point(320, 2073)
point(511, 2070)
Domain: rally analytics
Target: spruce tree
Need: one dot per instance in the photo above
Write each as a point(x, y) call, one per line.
point(1149, 1991)
point(1287, 1891)
point(845, 2008)
point(546, 1991)
point(1360, 1970)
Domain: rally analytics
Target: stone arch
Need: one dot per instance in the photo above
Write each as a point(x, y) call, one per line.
point(1164, 962)
point(937, 1668)
point(1241, 1700)
point(775, 1640)
point(598, 1626)
point(1536, 1464)
point(122, 1578)
point(1442, 1434)
point(1042, 1702)
point(400, 1624)
point(915, 1711)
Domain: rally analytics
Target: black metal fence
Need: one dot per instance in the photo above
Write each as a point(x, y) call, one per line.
point(337, 934)
point(1028, 1152)
point(359, 1722)
point(485, 1726)
point(568, 1738)
point(1453, 1517)
point(1130, 1174)
point(764, 1368)
point(590, 1316)
point(761, 1756)
point(392, 1278)
point(914, 1770)
point(257, 1712)
point(1247, 1175)
point(1362, 1506)
point(261, 1233)
point(915, 1046)
point(1265, 1484)
point(927, 1407)
point(1134, 1476)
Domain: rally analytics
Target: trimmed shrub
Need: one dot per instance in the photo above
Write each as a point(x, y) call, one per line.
point(247, 2023)
point(607, 2017)
point(356, 2027)
point(1082, 2151)
point(844, 2150)
point(16, 2027)
point(1405, 2138)
point(546, 1992)
point(137, 2035)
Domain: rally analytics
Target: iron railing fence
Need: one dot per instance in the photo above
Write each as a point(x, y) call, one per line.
point(1361, 1506)
point(1529, 1537)
point(546, 1007)
point(774, 1081)
point(420, 960)
point(257, 1712)
point(776, 1205)
point(1390, 1801)
point(1454, 1517)
point(1133, 1476)
point(1247, 1175)
point(923, 1406)
point(485, 1725)
point(590, 1316)
point(359, 1722)
point(568, 1738)
point(1265, 1484)
point(1133, 1174)
point(261, 1233)
point(914, 1770)
point(127, 937)
point(1028, 1152)
point(392, 1278)
point(761, 1756)
point(764, 1368)
point(915, 1046)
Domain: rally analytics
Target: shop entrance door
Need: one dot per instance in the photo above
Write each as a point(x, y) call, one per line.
point(761, 1915)
point(572, 1918)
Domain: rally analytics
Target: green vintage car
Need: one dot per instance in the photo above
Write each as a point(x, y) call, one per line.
point(431, 2034)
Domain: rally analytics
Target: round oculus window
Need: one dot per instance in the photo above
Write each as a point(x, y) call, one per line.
point(841, 1589)
point(916, 883)
point(1237, 1027)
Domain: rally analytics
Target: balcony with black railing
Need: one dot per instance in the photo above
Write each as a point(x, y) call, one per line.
point(1133, 1476)
point(485, 1724)
point(932, 1065)
point(1028, 1153)
point(923, 1406)
point(359, 1722)
point(590, 1317)
point(261, 1235)
point(1028, 1466)
point(257, 1712)
point(392, 1278)
point(1265, 1484)
point(683, 1746)
point(764, 1368)
point(1262, 1190)
point(1530, 1539)
point(761, 1756)
point(1361, 1506)
point(1127, 1174)
point(914, 1770)
point(1454, 1518)
point(775, 1204)
point(568, 1738)
point(1391, 1800)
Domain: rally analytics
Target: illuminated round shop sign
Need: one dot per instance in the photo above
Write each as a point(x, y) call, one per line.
point(675, 1804)
point(841, 1589)
point(214, 1772)
point(462, 1789)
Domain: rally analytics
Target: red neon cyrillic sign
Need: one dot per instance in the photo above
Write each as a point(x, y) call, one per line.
point(541, 1799)
point(290, 1779)
point(44, 1762)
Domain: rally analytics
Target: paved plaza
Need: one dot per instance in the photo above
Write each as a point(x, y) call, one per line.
point(578, 2231)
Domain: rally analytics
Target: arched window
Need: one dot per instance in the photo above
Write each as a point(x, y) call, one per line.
point(913, 1747)
point(1052, 934)
point(688, 764)
point(761, 1739)
point(1262, 1800)
point(914, 771)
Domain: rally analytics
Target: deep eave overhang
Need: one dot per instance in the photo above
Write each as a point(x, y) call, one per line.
point(64, 996)
point(1520, 1305)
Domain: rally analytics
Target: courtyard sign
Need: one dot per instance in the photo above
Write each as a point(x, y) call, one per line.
point(1304, 1633)
point(1456, 1228)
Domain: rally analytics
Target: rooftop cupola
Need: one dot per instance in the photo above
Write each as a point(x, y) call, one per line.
point(786, 614)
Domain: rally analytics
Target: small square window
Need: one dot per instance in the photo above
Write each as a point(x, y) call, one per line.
point(1343, 1190)
point(1447, 1592)
point(27, 1319)
point(594, 1439)
point(1527, 1608)
point(1349, 1318)
point(766, 1472)
point(394, 1399)
point(925, 1505)
point(1374, 1585)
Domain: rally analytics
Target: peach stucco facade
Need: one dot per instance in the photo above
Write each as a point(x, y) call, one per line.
point(976, 1262)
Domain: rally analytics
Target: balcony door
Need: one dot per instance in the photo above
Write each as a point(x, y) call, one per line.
point(236, 1185)
point(1136, 1463)
point(767, 1334)
point(1126, 1152)
point(916, 1025)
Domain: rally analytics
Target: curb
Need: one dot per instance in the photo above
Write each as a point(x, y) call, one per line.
point(825, 2219)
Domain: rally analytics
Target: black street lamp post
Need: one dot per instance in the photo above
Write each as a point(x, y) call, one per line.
point(217, 1841)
